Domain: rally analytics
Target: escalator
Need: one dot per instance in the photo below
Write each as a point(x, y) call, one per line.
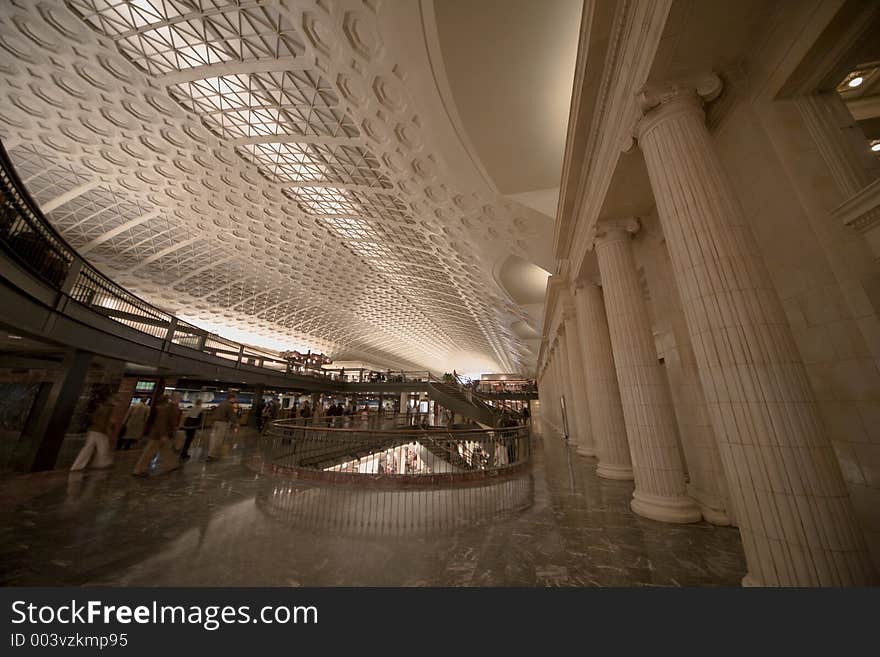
point(454, 397)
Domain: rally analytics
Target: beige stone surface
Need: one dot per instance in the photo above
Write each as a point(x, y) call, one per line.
point(796, 519)
point(660, 493)
point(603, 394)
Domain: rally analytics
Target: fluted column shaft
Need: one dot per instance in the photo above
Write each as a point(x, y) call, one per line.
point(603, 394)
point(579, 404)
point(567, 391)
point(661, 492)
point(556, 413)
point(797, 522)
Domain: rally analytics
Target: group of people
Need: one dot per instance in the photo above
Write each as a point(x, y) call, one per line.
point(160, 423)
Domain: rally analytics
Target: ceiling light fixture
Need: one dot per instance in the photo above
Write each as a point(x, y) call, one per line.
point(855, 82)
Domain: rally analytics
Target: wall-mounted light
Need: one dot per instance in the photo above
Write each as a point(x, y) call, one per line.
point(855, 82)
point(875, 145)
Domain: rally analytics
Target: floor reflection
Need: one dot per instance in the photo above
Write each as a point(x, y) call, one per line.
point(225, 524)
point(366, 511)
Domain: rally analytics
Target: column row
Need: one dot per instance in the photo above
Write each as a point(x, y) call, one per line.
point(784, 483)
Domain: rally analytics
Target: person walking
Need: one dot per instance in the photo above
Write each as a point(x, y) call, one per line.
point(135, 423)
point(160, 439)
point(97, 437)
point(259, 412)
point(192, 420)
point(223, 417)
point(270, 412)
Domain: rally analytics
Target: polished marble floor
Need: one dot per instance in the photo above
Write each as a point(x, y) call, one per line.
point(228, 524)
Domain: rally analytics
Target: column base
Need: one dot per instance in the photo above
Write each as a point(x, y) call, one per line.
point(750, 581)
point(586, 450)
point(711, 506)
point(680, 509)
point(715, 516)
point(613, 471)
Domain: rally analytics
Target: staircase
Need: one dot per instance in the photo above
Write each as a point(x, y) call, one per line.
point(451, 395)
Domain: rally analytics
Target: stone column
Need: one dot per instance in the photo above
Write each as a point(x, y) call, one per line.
point(661, 492)
point(566, 387)
point(792, 507)
point(51, 413)
point(553, 415)
point(579, 404)
point(603, 395)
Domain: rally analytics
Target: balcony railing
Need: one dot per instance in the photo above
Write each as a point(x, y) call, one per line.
point(311, 449)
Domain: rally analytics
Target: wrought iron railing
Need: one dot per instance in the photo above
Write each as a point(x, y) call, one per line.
point(364, 375)
point(312, 449)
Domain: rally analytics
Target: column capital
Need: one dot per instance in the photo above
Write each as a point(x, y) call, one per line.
point(659, 103)
point(610, 230)
point(587, 282)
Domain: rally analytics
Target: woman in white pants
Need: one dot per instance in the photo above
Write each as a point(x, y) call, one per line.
point(97, 439)
point(223, 417)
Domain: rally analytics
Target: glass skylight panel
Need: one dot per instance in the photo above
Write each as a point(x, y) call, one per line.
point(333, 201)
point(161, 36)
point(116, 17)
point(350, 227)
point(262, 104)
point(324, 200)
point(373, 250)
point(294, 162)
point(286, 162)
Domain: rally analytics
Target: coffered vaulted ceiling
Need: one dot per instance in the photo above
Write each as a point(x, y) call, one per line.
point(265, 170)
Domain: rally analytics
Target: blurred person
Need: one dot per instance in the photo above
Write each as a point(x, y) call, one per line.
point(259, 411)
point(192, 421)
point(134, 425)
point(97, 437)
point(270, 412)
point(223, 417)
point(161, 437)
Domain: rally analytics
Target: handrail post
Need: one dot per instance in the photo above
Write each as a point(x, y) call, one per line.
point(169, 334)
point(72, 275)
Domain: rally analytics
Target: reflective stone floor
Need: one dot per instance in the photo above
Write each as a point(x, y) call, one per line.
point(227, 524)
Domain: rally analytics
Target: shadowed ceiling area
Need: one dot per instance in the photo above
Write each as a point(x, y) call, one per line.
point(524, 282)
point(510, 65)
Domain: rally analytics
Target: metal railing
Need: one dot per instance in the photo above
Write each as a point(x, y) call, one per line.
point(495, 387)
point(30, 239)
point(319, 451)
point(363, 375)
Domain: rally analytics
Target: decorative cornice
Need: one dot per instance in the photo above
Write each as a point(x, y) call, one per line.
point(862, 211)
point(634, 37)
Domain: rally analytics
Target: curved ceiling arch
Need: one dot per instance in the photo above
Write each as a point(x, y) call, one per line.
point(269, 168)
